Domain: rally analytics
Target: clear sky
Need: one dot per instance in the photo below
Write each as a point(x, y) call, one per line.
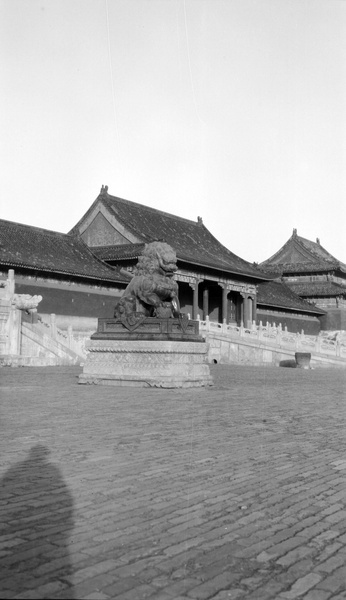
point(232, 110)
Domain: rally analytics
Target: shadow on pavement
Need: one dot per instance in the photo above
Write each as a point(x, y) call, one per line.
point(35, 523)
point(291, 364)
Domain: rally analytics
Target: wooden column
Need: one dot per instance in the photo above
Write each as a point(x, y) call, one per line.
point(254, 307)
point(246, 310)
point(243, 312)
point(194, 286)
point(205, 304)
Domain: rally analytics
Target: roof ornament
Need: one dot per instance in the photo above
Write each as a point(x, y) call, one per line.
point(104, 189)
point(294, 234)
point(199, 221)
point(318, 241)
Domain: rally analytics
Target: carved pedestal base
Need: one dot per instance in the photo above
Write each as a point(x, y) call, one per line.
point(145, 363)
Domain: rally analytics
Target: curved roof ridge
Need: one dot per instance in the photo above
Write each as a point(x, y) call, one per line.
point(315, 247)
point(281, 250)
point(33, 227)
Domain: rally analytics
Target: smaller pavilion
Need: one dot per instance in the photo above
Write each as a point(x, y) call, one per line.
point(314, 275)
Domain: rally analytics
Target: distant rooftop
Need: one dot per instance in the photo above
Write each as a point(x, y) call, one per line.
point(318, 289)
point(277, 293)
point(300, 255)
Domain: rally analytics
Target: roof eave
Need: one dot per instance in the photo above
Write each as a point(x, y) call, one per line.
point(223, 269)
point(59, 272)
point(305, 310)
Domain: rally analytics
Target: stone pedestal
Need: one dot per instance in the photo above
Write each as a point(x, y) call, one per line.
point(162, 364)
point(157, 353)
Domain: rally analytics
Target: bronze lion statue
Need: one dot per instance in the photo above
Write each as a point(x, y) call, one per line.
point(152, 290)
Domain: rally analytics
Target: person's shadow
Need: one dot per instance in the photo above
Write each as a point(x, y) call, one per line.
point(36, 519)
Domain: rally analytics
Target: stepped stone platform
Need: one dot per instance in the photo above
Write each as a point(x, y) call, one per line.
point(147, 352)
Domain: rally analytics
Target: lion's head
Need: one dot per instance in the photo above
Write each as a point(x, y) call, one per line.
point(157, 257)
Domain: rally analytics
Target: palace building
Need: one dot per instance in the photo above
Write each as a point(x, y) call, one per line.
point(213, 281)
point(316, 276)
point(74, 284)
point(80, 275)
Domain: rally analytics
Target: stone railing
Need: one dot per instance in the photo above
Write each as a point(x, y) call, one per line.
point(275, 335)
point(67, 338)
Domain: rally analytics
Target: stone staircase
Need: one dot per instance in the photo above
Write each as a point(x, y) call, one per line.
point(27, 341)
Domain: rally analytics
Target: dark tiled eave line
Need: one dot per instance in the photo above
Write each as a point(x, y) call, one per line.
point(292, 269)
point(320, 293)
point(224, 269)
point(199, 264)
point(292, 308)
point(98, 278)
point(188, 260)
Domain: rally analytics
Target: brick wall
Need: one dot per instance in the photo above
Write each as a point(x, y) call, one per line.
point(71, 302)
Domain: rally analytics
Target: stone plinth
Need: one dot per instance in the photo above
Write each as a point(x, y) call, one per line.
point(139, 327)
point(146, 363)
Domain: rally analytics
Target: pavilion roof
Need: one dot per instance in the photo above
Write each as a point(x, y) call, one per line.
point(279, 294)
point(25, 246)
point(299, 255)
point(316, 289)
point(192, 241)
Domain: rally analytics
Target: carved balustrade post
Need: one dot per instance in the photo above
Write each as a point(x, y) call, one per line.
point(14, 331)
point(53, 328)
point(69, 336)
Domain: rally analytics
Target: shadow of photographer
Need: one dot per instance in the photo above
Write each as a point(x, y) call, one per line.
point(36, 522)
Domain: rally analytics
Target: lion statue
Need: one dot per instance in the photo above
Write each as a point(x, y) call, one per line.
point(152, 290)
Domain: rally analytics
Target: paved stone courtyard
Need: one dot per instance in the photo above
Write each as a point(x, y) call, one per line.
point(238, 491)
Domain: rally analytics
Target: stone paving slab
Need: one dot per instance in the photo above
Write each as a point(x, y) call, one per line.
point(238, 491)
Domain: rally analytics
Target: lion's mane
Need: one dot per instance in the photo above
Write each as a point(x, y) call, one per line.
point(151, 257)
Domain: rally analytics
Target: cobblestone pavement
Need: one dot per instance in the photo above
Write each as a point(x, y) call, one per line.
point(238, 491)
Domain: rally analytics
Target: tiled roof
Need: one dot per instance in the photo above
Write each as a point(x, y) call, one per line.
point(318, 289)
point(277, 293)
point(122, 252)
point(191, 240)
point(290, 268)
point(23, 246)
point(301, 255)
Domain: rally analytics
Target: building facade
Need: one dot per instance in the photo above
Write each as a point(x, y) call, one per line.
point(213, 281)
